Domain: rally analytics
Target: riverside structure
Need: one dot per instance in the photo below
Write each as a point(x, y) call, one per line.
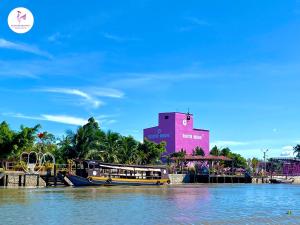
point(177, 130)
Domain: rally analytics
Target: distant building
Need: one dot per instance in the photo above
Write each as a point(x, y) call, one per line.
point(177, 130)
point(288, 166)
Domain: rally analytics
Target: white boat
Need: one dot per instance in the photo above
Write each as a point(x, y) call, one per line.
point(281, 181)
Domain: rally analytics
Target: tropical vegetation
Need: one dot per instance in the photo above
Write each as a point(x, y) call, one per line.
point(297, 151)
point(237, 159)
point(198, 151)
point(88, 142)
point(91, 142)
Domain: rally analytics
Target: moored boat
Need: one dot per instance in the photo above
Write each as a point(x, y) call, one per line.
point(78, 181)
point(281, 181)
point(91, 172)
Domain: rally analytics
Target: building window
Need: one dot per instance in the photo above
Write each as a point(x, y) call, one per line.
point(166, 117)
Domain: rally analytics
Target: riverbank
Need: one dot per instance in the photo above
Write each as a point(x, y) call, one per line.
point(22, 179)
point(266, 180)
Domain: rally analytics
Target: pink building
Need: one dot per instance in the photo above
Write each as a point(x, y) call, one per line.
point(177, 130)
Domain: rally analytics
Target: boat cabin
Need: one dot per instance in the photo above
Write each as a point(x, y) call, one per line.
point(93, 168)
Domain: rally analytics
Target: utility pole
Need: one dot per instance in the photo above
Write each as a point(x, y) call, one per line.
point(264, 152)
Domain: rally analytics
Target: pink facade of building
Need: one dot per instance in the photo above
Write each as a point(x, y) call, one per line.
point(177, 130)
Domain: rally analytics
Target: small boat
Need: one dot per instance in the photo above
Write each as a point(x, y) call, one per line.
point(281, 181)
point(95, 173)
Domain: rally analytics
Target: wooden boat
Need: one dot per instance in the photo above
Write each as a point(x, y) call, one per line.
point(281, 181)
point(78, 181)
point(91, 172)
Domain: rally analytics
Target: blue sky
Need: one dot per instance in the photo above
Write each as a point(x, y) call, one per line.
point(234, 64)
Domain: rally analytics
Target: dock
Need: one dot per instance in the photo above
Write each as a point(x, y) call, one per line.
point(10, 177)
point(208, 178)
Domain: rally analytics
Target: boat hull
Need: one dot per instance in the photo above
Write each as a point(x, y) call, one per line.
point(130, 182)
point(78, 181)
point(281, 181)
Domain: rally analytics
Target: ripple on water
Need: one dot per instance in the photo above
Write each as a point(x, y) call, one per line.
point(181, 204)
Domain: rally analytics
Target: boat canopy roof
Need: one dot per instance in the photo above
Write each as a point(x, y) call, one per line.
point(124, 166)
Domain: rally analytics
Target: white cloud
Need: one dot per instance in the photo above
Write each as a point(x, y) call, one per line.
point(63, 65)
point(107, 92)
point(118, 38)
point(57, 37)
point(288, 148)
point(65, 119)
point(228, 143)
point(87, 97)
point(10, 69)
point(110, 121)
point(90, 96)
point(197, 21)
point(287, 151)
point(194, 22)
point(53, 118)
point(23, 47)
point(151, 80)
point(54, 37)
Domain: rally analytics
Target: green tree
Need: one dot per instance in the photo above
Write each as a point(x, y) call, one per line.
point(87, 139)
point(109, 147)
point(150, 152)
point(66, 148)
point(6, 140)
point(238, 160)
point(128, 152)
point(179, 158)
point(215, 151)
point(198, 151)
point(225, 152)
point(83, 144)
point(297, 151)
point(46, 143)
point(254, 163)
point(24, 140)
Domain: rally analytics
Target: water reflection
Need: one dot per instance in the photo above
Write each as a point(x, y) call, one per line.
point(182, 204)
point(6, 196)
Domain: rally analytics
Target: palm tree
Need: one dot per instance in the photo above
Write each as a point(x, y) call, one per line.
point(66, 148)
point(109, 147)
point(254, 164)
point(128, 153)
point(24, 140)
point(150, 152)
point(297, 151)
point(87, 139)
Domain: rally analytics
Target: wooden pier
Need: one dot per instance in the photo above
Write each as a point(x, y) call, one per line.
point(10, 177)
point(21, 179)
